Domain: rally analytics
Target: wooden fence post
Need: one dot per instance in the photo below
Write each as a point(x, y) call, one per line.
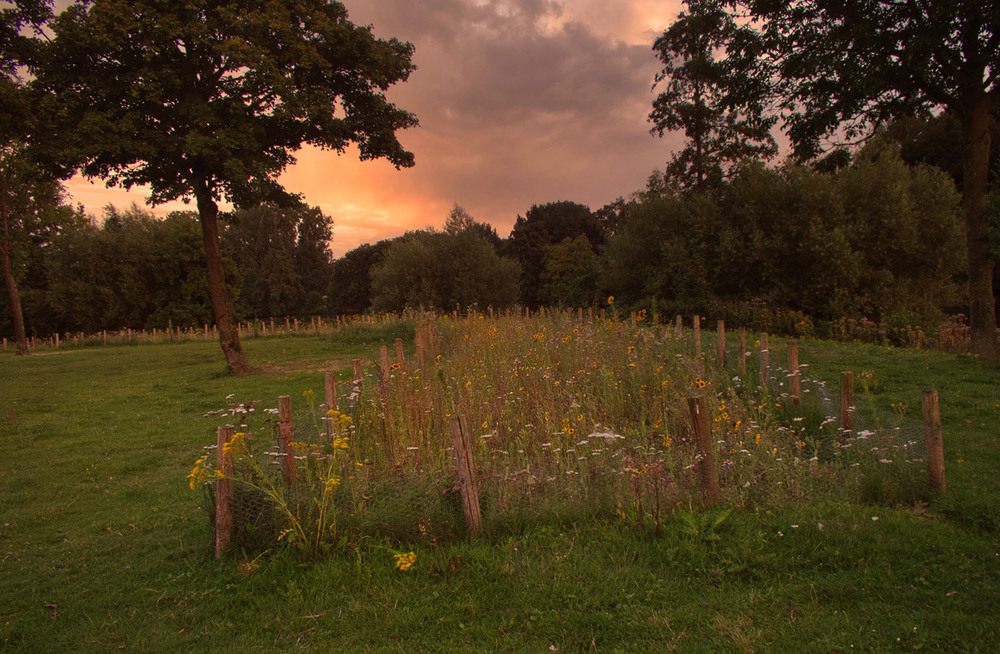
point(935, 442)
point(742, 361)
point(720, 331)
point(286, 435)
point(679, 326)
point(223, 492)
point(765, 361)
point(705, 457)
point(794, 374)
point(697, 337)
point(357, 369)
point(383, 363)
point(461, 438)
point(846, 402)
point(399, 351)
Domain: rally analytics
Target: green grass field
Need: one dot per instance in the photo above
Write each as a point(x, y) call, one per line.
point(103, 547)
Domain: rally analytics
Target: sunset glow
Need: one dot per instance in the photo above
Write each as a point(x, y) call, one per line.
point(520, 102)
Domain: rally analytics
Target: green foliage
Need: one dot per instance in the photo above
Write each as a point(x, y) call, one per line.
point(283, 257)
point(133, 271)
point(544, 226)
point(842, 70)
point(718, 138)
point(571, 273)
point(437, 270)
point(350, 284)
point(878, 239)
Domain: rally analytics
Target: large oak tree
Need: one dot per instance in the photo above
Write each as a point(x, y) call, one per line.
point(841, 69)
point(209, 99)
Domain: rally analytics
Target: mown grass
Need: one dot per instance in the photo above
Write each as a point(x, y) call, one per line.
point(104, 547)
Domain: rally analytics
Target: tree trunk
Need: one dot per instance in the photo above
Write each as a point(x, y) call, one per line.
point(15, 302)
point(229, 337)
point(975, 166)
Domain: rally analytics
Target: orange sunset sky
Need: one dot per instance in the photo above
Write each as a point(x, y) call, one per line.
point(520, 102)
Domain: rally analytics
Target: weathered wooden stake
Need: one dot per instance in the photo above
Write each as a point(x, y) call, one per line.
point(223, 492)
point(720, 330)
point(705, 456)
point(765, 361)
point(742, 361)
point(357, 369)
point(846, 402)
point(461, 438)
point(935, 442)
point(286, 436)
point(697, 337)
point(399, 351)
point(383, 363)
point(679, 326)
point(794, 374)
point(330, 384)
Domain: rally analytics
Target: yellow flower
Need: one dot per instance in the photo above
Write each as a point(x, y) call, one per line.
point(235, 444)
point(405, 561)
point(330, 484)
point(197, 474)
point(611, 299)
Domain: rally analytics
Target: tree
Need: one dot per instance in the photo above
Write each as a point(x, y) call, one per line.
point(569, 278)
point(441, 271)
point(841, 69)
point(460, 220)
point(350, 289)
point(695, 100)
point(209, 100)
point(24, 191)
point(32, 212)
point(543, 226)
point(129, 269)
point(282, 255)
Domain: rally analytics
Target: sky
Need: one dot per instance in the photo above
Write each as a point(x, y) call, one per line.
point(520, 102)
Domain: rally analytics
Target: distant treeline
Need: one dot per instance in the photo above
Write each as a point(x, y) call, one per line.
point(879, 239)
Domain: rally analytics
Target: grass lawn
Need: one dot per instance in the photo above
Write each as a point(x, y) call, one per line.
point(103, 547)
